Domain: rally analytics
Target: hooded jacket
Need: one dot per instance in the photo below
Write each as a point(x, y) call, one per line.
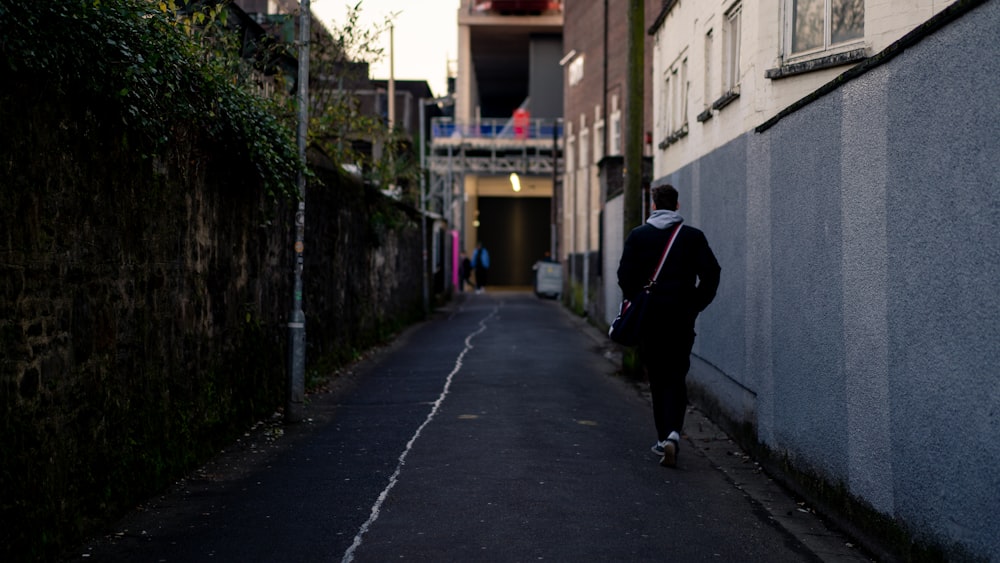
point(690, 275)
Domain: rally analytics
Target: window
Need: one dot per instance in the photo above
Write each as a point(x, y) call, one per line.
point(708, 67)
point(598, 135)
point(576, 71)
point(570, 146)
point(673, 113)
point(820, 24)
point(675, 101)
point(615, 140)
point(731, 50)
point(684, 86)
point(615, 146)
point(708, 82)
point(665, 122)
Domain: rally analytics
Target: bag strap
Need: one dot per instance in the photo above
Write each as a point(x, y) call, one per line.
point(663, 258)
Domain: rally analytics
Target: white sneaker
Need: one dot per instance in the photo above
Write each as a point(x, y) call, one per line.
point(670, 450)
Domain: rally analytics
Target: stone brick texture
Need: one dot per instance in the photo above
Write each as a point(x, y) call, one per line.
point(144, 302)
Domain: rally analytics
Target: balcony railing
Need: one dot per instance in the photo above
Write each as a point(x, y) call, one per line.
point(537, 129)
point(517, 7)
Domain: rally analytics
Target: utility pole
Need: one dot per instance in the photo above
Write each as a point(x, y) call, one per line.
point(297, 319)
point(392, 79)
point(424, 195)
point(423, 204)
point(553, 211)
point(634, 95)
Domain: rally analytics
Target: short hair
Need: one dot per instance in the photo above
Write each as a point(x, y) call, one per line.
point(665, 197)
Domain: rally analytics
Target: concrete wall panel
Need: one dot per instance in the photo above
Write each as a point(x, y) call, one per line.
point(864, 292)
point(720, 212)
point(758, 276)
point(806, 250)
point(858, 240)
point(943, 194)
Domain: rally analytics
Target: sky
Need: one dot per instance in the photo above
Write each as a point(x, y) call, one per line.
point(425, 36)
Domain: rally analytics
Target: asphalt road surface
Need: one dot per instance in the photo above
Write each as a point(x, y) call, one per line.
point(496, 431)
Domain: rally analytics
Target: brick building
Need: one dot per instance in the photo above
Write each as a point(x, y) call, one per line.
point(594, 72)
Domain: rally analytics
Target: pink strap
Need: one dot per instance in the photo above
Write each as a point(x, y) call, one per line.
point(663, 258)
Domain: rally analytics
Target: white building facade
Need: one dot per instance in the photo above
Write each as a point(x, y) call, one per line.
point(838, 154)
point(723, 67)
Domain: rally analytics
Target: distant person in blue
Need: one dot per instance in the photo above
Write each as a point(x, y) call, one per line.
point(481, 263)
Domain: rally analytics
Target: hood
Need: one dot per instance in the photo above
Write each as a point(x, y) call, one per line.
point(664, 219)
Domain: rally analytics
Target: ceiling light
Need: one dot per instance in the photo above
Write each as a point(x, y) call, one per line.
point(515, 182)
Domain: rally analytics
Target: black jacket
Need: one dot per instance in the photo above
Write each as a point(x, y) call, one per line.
point(688, 281)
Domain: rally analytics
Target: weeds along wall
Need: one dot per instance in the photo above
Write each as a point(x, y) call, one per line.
point(143, 304)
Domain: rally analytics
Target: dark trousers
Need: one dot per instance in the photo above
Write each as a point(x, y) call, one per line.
point(481, 276)
point(667, 358)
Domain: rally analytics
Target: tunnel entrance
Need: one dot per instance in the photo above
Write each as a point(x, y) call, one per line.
point(516, 231)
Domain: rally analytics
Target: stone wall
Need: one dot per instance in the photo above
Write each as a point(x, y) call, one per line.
point(143, 303)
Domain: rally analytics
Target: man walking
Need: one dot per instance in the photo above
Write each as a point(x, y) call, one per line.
point(686, 285)
point(481, 263)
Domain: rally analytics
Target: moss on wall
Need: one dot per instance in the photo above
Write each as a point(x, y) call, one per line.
point(143, 305)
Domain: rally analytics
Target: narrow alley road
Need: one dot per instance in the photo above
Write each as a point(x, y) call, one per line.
point(495, 432)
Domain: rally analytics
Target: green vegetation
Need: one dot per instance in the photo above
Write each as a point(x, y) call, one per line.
point(145, 172)
point(167, 70)
point(338, 63)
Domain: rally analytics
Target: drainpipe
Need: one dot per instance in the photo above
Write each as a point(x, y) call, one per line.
point(634, 124)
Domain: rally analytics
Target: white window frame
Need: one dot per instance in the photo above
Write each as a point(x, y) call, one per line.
point(570, 147)
point(685, 87)
point(666, 99)
point(598, 135)
point(674, 102)
point(575, 70)
point(709, 69)
point(731, 39)
point(828, 45)
point(615, 129)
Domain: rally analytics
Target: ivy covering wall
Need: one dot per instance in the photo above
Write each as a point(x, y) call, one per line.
point(146, 271)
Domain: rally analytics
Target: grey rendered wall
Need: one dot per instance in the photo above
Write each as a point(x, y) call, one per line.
point(859, 312)
point(943, 303)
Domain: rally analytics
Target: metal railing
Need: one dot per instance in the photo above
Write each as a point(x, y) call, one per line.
point(516, 6)
point(539, 129)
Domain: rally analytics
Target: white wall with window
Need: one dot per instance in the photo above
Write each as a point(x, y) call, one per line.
point(732, 26)
point(708, 91)
point(813, 26)
point(737, 63)
point(672, 113)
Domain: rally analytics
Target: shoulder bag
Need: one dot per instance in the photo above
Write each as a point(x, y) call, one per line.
point(626, 326)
